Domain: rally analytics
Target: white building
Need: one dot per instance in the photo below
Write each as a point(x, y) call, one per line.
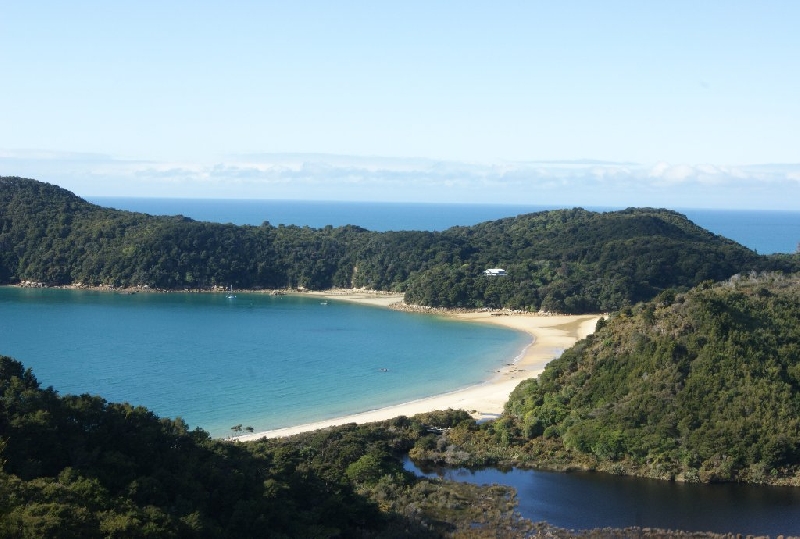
point(495, 272)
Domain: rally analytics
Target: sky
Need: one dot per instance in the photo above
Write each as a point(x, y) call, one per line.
point(613, 103)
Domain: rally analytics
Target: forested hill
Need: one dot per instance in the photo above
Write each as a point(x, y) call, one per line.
point(703, 385)
point(562, 261)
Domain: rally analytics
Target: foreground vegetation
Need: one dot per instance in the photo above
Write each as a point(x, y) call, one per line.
point(78, 466)
point(572, 261)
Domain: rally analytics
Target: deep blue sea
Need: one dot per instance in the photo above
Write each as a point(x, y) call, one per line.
point(764, 231)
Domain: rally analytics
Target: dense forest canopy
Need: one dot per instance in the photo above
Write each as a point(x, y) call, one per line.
point(562, 261)
point(699, 386)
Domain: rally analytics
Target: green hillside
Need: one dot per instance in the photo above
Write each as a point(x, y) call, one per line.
point(564, 261)
point(697, 386)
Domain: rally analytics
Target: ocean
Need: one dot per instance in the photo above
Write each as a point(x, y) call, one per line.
point(764, 231)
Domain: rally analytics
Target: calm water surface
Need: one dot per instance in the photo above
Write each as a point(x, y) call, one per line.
point(258, 360)
point(584, 501)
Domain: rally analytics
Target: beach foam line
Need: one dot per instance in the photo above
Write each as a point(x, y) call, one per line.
point(550, 335)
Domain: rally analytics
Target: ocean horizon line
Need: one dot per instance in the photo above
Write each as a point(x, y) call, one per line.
point(764, 231)
point(95, 199)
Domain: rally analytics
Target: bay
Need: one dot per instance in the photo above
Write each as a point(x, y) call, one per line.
point(764, 231)
point(256, 360)
point(272, 362)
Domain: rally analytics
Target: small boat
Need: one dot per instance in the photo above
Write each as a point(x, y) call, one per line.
point(323, 302)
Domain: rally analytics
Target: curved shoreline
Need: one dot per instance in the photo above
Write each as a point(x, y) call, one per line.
point(550, 334)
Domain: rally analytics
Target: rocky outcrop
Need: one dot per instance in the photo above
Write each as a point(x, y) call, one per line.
point(32, 284)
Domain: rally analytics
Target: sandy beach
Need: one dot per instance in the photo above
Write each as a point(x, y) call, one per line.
point(551, 334)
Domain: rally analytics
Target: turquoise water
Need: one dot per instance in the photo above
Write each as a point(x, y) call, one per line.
point(258, 360)
point(272, 362)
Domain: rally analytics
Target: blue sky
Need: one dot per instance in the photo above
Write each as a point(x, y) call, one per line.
point(678, 104)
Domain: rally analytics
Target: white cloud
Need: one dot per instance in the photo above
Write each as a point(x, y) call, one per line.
point(335, 177)
point(672, 173)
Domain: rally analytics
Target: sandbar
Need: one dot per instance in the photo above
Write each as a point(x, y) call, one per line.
point(363, 297)
point(550, 334)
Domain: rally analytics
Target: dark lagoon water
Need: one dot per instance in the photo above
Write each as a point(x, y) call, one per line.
point(582, 501)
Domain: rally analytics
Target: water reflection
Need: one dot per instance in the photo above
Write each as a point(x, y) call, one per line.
point(583, 501)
